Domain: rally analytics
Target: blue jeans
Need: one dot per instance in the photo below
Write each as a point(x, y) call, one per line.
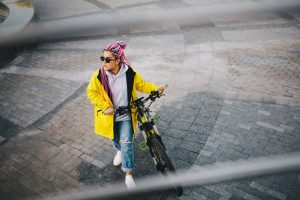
point(123, 141)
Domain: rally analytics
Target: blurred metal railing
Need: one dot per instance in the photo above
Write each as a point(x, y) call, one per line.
point(209, 174)
point(101, 24)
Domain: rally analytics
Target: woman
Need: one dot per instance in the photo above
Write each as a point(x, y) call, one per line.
point(113, 85)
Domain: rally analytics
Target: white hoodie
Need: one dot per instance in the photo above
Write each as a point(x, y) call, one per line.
point(118, 86)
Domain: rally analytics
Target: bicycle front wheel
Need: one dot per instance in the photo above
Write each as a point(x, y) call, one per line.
point(164, 164)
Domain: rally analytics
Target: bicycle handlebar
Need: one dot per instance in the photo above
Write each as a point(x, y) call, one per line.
point(152, 96)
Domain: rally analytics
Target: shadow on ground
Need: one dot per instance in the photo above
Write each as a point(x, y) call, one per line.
point(8, 129)
point(185, 126)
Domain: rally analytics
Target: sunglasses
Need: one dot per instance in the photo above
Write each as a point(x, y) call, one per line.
point(107, 60)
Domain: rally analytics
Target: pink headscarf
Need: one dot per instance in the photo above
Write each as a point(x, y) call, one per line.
point(117, 48)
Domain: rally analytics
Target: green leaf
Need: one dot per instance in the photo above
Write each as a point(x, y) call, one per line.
point(156, 117)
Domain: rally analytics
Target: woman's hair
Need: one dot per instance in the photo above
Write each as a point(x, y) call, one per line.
point(117, 48)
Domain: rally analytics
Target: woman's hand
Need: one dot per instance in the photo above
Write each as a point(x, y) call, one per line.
point(109, 111)
point(161, 88)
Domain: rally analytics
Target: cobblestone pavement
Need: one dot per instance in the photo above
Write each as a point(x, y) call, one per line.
point(233, 94)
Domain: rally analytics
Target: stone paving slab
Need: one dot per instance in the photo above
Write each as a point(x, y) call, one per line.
point(59, 59)
point(50, 73)
point(261, 34)
point(25, 99)
point(54, 9)
point(260, 65)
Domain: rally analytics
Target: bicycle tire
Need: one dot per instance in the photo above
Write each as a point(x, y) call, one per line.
point(165, 165)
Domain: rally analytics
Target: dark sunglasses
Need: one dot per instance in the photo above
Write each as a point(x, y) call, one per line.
point(107, 60)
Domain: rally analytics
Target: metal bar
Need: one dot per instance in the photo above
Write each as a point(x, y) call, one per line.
point(209, 174)
point(102, 24)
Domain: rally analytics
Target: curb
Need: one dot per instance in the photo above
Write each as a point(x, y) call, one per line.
point(20, 14)
point(16, 15)
point(4, 11)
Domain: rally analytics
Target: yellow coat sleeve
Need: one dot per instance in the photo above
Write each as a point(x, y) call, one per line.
point(95, 93)
point(143, 86)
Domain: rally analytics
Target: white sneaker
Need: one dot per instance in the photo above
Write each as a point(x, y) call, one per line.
point(129, 182)
point(117, 160)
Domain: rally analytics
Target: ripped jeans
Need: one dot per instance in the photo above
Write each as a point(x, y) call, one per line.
point(123, 141)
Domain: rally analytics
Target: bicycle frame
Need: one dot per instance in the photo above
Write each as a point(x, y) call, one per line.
point(146, 125)
point(145, 121)
point(151, 136)
point(148, 130)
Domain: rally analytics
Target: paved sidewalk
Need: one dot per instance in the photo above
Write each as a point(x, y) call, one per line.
point(233, 94)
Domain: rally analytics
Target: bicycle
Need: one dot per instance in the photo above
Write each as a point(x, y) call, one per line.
point(151, 135)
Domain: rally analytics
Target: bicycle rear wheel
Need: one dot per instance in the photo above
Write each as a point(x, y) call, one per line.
point(164, 164)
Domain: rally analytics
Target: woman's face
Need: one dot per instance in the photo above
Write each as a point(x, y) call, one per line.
point(111, 63)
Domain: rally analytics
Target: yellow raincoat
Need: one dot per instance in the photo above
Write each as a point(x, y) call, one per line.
point(104, 124)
